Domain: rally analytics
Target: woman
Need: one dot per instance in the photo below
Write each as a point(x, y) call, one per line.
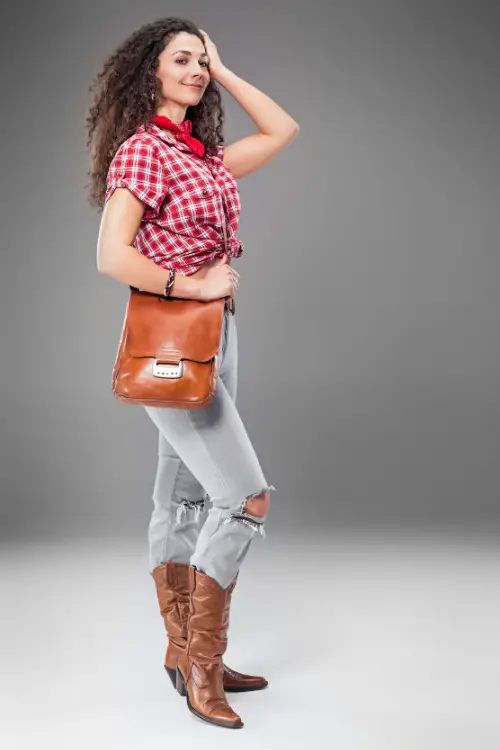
point(168, 190)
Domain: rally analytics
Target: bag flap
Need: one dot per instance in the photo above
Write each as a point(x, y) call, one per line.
point(171, 329)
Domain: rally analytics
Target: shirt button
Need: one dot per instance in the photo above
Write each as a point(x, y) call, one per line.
point(204, 191)
point(121, 172)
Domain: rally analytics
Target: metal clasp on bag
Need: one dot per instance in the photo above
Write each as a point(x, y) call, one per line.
point(167, 370)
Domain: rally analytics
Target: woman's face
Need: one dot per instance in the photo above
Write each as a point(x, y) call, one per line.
point(183, 70)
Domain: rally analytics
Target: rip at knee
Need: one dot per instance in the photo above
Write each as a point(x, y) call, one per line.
point(253, 510)
point(187, 506)
point(258, 504)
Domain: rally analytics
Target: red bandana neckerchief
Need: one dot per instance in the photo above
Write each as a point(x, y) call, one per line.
point(181, 132)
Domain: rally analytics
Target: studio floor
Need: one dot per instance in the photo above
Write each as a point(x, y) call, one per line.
point(369, 642)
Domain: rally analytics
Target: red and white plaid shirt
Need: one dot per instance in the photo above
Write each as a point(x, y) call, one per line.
point(188, 198)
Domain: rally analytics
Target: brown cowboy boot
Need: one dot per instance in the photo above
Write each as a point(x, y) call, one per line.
point(172, 588)
point(200, 668)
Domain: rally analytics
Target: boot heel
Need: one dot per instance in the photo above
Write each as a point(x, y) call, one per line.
point(180, 683)
point(172, 675)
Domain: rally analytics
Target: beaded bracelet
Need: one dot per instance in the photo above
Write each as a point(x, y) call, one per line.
point(170, 282)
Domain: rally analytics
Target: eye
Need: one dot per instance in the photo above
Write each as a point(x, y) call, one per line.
point(183, 59)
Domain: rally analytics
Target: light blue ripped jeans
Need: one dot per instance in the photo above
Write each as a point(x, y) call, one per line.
point(206, 455)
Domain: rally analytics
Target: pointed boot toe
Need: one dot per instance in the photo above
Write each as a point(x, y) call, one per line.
point(223, 714)
point(236, 682)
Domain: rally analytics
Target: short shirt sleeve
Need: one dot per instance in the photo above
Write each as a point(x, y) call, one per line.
point(137, 165)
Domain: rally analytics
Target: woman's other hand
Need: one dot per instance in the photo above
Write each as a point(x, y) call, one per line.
point(220, 281)
point(215, 64)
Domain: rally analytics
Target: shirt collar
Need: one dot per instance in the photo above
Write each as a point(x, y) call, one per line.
point(164, 135)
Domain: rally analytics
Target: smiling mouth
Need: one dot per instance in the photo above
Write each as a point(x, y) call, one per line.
point(191, 85)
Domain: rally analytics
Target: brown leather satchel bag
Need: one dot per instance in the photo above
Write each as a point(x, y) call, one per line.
point(167, 351)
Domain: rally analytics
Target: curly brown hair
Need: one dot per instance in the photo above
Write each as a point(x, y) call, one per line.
point(122, 99)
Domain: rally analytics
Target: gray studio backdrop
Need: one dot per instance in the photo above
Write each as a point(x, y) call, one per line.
point(368, 311)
